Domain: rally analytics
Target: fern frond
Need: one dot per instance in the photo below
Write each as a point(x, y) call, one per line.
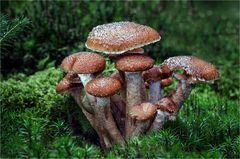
point(10, 30)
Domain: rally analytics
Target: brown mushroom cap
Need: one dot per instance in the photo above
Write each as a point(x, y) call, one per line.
point(134, 63)
point(143, 111)
point(88, 63)
point(103, 87)
point(68, 61)
point(67, 83)
point(156, 73)
point(119, 37)
point(198, 69)
point(166, 82)
point(167, 105)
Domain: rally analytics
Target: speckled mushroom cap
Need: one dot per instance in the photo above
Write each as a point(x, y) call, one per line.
point(134, 63)
point(119, 37)
point(68, 61)
point(143, 111)
point(198, 69)
point(66, 83)
point(88, 63)
point(103, 87)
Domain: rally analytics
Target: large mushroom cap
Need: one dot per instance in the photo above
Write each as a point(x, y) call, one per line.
point(88, 63)
point(134, 63)
point(119, 37)
point(198, 69)
point(143, 111)
point(103, 87)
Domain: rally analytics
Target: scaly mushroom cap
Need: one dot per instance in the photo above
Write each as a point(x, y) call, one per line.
point(119, 37)
point(103, 87)
point(134, 63)
point(167, 105)
point(156, 73)
point(143, 111)
point(67, 83)
point(88, 63)
point(67, 62)
point(198, 69)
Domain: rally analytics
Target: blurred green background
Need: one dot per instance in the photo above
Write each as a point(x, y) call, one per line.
point(36, 35)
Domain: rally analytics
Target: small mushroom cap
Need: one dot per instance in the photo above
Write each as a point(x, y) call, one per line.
point(198, 69)
point(103, 87)
point(67, 83)
point(143, 111)
point(119, 37)
point(167, 105)
point(156, 73)
point(166, 82)
point(134, 63)
point(88, 63)
point(68, 61)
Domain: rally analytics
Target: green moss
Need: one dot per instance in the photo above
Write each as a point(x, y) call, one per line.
point(41, 123)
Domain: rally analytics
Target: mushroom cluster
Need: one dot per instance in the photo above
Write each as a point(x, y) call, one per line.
point(132, 100)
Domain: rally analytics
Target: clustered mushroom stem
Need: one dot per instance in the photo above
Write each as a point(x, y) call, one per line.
point(156, 93)
point(104, 117)
point(133, 97)
point(181, 93)
point(85, 78)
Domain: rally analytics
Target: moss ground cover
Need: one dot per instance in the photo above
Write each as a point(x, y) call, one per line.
point(38, 122)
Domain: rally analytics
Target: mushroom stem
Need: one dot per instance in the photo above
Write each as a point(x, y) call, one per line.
point(85, 78)
point(178, 97)
point(156, 93)
point(133, 96)
point(105, 120)
point(118, 111)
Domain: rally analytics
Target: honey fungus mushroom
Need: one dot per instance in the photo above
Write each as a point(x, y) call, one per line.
point(120, 37)
point(132, 66)
point(103, 88)
point(197, 69)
